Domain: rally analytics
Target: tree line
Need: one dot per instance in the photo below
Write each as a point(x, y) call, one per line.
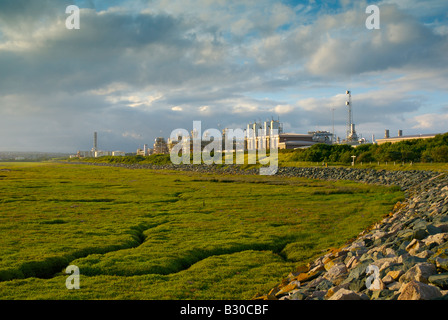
point(417, 150)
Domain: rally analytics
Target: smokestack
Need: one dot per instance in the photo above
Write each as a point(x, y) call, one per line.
point(400, 133)
point(95, 141)
point(386, 134)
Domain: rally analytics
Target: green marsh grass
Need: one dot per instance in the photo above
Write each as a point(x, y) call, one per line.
point(146, 234)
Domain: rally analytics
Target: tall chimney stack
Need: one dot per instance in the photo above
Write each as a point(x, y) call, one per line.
point(386, 134)
point(95, 141)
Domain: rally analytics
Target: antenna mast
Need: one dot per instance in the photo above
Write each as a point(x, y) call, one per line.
point(333, 138)
point(348, 103)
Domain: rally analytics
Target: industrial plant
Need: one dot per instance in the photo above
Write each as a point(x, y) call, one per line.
point(401, 137)
point(351, 135)
point(263, 135)
point(95, 152)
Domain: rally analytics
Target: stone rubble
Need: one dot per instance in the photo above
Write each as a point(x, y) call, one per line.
point(403, 257)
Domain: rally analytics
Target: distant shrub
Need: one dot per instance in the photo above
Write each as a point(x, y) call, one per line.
point(424, 150)
point(440, 154)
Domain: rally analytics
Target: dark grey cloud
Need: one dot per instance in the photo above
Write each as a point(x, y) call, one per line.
point(142, 69)
point(402, 41)
point(108, 47)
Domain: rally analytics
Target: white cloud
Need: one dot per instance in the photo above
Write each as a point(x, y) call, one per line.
point(109, 89)
point(283, 109)
point(323, 103)
point(131, 100)
point(132, 135)
point(432, 121)
point(418, 8)
point(241, 107)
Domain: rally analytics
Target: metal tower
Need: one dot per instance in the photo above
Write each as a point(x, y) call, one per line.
point(351, 132)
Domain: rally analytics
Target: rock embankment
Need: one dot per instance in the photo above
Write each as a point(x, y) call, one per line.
point(403, 257)
point(404, 179)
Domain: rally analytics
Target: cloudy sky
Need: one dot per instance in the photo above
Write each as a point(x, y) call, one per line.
point(139, 69)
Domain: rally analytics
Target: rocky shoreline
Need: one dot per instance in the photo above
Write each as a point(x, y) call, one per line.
point(403, 257)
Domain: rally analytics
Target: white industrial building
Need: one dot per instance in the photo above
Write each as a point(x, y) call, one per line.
point(95, 153)
point(263, 136)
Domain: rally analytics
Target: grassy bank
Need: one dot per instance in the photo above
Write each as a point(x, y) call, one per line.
point(143, 234)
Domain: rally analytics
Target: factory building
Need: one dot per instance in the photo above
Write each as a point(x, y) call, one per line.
point(270, 134)
point(95, 153)
point(102, 153)
point(189, 143)
point(295, 140)
point(145, 151)
point(401, 137)
point(85, 154)
point(160, 146)
point(352, 137)
point(263, 136)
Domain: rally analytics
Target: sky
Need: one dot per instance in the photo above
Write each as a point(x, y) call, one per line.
point(137, 69)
